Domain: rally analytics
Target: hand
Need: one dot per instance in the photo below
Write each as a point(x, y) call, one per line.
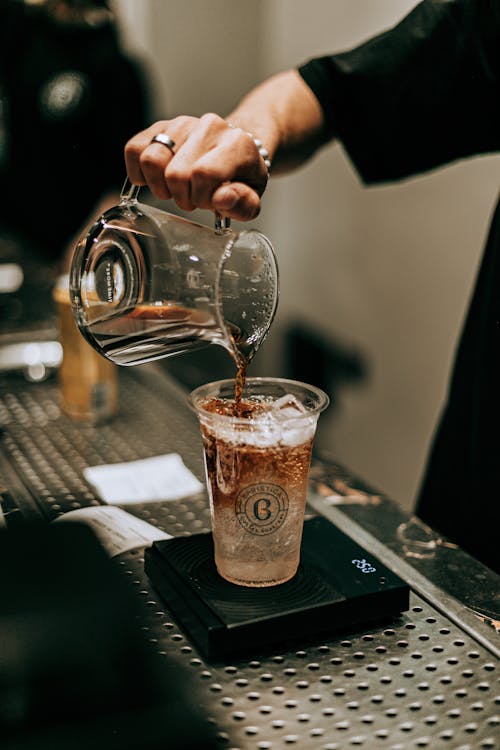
point(212, 165)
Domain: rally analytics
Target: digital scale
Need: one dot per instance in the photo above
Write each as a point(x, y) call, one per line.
point(338, 585)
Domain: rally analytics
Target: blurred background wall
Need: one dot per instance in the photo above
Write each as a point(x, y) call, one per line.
point(379, 278)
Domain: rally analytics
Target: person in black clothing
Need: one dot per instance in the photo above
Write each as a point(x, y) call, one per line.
point(421, 95)
point(69, 100)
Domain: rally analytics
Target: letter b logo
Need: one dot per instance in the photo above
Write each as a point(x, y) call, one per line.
point(261, 508)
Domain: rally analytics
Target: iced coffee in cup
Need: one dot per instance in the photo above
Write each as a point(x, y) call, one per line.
point(257, 456)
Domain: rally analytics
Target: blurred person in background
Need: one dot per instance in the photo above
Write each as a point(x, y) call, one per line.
point(70, 97)
point(419, 96)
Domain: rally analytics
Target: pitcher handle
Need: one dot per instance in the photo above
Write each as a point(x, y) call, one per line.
point(222, 224)
point(130, 192)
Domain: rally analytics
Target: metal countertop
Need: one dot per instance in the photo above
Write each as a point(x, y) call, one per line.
point(430, 679)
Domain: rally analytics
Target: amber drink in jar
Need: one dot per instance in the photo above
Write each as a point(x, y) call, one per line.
point(87, 381)
point(257, 457)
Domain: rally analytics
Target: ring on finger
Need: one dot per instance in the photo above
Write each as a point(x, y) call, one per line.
point(165, 140)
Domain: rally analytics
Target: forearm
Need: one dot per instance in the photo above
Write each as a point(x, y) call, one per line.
point(286, 116)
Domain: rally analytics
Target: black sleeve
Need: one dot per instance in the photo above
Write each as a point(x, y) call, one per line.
point(420, 95)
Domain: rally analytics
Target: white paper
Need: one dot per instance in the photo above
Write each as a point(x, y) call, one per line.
point(148, 480)
point(117, 530)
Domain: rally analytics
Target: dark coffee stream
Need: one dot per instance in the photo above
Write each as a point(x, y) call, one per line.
point(239, 384)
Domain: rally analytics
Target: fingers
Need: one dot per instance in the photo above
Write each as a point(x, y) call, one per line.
point(153, 162)
point(146, 160)
point(211, 165)
point(134, 149)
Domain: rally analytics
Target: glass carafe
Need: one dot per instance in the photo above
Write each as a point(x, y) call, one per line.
point(147, 284)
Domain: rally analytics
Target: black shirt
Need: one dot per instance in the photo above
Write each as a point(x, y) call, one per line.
point(420, 95)
point(69, 100)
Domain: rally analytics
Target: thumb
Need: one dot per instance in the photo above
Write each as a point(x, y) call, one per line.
point(237, 201)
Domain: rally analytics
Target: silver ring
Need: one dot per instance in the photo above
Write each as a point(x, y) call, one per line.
point(165, 140)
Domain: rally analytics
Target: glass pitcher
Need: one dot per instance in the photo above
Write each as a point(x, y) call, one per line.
point(147, 284)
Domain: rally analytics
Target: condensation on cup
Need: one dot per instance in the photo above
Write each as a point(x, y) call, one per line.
point(257, 467)
point(87, 381)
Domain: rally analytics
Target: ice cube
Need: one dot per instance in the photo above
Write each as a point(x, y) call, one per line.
point(289, 406)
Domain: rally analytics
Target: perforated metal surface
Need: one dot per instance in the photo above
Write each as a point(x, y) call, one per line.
point(420, 682)
point(50, 451)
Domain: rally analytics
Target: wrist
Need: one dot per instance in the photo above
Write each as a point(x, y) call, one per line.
point(261, 147)
point(262, 150)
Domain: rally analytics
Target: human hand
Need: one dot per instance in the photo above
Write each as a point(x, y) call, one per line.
point(211, 165)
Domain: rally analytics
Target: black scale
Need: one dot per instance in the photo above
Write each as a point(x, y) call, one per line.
point(338, 585)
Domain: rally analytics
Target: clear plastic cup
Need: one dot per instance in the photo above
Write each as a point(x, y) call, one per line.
point(257, 467)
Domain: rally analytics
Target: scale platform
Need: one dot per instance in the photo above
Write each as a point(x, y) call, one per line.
point(338, 585)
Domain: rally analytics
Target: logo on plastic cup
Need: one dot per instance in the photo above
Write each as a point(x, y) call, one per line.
point(261, 508)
